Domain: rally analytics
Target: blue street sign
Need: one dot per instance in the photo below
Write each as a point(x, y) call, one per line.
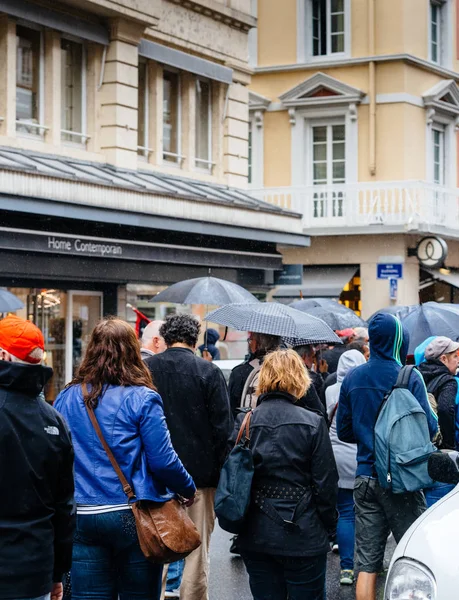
point(390, 271)
point(393, 288)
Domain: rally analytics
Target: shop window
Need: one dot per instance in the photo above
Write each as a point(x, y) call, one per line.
point(29, 87)
point(73, 93)
point(351, 294)
point(203, 122)
point(171, 118)
point(328, 167)
point(142, 115)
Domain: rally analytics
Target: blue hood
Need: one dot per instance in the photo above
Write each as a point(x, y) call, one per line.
point(419, 353)
point(389, 340)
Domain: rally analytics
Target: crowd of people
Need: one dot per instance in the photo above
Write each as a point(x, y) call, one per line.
point(170, 420)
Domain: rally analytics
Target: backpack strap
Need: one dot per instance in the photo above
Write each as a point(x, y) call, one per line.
point(404, 377)
point(437, 382)
point(256, 364)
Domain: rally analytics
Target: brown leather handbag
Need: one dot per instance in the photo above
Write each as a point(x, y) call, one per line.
point(165, 531)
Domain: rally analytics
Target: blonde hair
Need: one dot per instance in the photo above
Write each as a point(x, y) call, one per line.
point(283, 371)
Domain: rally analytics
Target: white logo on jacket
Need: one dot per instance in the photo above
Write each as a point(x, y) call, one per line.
point(52, 430)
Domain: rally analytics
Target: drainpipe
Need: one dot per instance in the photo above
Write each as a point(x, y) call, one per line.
point(372, 84)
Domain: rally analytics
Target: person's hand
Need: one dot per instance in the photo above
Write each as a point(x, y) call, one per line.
point(57, 593)
point(206, 355)
point(187, 502)
point(323, 366)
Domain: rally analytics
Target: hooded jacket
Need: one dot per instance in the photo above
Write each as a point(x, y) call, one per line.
point(345, 454)
point(37, 514)
point(364, 388)
point(211, 337)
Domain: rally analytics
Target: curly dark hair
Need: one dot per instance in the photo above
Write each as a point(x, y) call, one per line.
point(183, 329)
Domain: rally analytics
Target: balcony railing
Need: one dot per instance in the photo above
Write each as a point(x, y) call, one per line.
point(409, 204)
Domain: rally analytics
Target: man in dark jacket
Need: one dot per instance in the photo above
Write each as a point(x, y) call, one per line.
point(377, 510)
point(198, 415)
point(37, 514)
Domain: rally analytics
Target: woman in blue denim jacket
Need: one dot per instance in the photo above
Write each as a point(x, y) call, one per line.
point(107, 559)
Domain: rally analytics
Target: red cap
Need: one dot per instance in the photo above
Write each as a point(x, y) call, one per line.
point(345, 333)
point(20, 338)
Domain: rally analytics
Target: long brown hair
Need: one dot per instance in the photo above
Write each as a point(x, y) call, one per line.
point(112, 358)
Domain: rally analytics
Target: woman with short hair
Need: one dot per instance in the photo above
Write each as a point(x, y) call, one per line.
point(285, 539)
point(107, 560)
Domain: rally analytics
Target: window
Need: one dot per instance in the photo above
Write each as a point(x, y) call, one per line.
point(72, 91)
point(329, 167)
point(203, 125)
point(142, 115)
point(438, 140)
point(440, 32)
point(29, 71)
point(250, 153)
point(171, 117)
point(328, 27)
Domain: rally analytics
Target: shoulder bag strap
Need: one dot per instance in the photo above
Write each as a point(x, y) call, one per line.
point(245, 428)
point(124, 482)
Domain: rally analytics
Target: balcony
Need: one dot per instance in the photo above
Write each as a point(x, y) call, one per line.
point(377, 207)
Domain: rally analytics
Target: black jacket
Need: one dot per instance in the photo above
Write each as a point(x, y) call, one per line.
point(443, 386)
point(292, 450)
point(197, 411)
point(37, 510)
point(237, 381)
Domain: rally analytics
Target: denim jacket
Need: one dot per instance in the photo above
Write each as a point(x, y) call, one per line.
point(133, 423)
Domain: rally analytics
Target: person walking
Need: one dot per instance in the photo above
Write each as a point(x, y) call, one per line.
point(377, 510)
point(317, 367)
point(198, 415)
point(285, 539)
point(346, 461)
point(113, 380)
point(439, 370)
point(36, 472)
point(152, 343)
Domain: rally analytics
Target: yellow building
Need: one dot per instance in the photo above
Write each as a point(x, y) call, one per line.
point(354, 110)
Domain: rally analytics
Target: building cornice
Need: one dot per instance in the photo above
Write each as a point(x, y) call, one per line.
point(219, 12)
point(349, 62)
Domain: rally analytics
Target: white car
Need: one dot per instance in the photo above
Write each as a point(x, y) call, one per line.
point(227, 365)
point(425, 564)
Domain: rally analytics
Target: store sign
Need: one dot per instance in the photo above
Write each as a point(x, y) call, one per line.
point(432, 252)
point(290, 275)
point(392, 271)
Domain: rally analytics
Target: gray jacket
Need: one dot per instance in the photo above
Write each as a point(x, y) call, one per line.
point(345, 454)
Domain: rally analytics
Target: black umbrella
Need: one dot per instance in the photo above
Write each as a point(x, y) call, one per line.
point(275, 319)
point(337, 316)
point(9, 302)
point(204, 290)
point(399, 311)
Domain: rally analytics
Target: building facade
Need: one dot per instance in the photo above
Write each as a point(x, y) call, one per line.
point(354, 111)
point(124, 158)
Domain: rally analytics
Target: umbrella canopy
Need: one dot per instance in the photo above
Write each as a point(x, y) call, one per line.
point(398, 311)
point(431, 319)
point(275, 319)
point(204, 290)
point(334, 314)
point(9, 302)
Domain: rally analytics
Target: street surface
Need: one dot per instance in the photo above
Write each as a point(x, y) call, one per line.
point(229, 581)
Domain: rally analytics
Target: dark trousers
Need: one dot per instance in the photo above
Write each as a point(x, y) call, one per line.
point(108, 562)
point(281, 577)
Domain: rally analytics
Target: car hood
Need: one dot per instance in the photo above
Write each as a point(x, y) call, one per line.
point(432, 541)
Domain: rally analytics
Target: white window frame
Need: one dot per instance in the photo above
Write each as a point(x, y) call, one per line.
point(82, 135)
point(305, 30)
point(179, 157)
point(445, 33)
point(256, 122)
point(440, 129)
point(447, 125)
point(253, 36)
point(144, 151)
point(39, 127)
point(198, 162)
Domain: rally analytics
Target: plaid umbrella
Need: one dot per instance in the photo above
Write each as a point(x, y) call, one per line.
point(9, 302)
point(204, 290)
point(275, 319)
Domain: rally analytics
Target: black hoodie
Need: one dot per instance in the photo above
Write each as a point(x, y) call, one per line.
point(36, 485)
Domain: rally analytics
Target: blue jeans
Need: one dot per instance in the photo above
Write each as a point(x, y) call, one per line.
point(108, 561)
point(174, 575)
point(281, 577)
point(437, 492)
point(345, 531)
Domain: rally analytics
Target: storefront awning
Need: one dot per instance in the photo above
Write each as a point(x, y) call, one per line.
point(452, 278)
point(318, 282)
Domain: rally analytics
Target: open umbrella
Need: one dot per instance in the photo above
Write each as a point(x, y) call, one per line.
point(398, 311)
point(9, 302)
point(275, 319)
point(337, 316)
point(204, 290)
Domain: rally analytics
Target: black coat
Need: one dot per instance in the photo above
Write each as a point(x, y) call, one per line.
point(237, 381)
point(291, 449)
point(37, 514)
point(197, 411)
point(443, 386)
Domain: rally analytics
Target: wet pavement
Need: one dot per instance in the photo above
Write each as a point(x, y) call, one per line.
point(229, 581)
